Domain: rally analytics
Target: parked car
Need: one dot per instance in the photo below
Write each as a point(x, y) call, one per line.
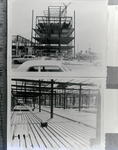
point(55, 69)
point(42, 66)
point(23, 59)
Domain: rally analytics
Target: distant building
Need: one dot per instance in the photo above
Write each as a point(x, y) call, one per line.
point(21, 46)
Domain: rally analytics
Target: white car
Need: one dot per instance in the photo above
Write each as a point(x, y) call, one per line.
point(42, 66)
point(54, 69)
point(23, 59)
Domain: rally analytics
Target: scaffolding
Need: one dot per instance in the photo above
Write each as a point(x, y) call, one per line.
point(54, 32)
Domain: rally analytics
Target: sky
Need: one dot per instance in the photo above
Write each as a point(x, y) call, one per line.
point(90, 21)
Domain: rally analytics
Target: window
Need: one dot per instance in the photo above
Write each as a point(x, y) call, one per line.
point(50, 69)
point(65, 68)
point(33, 69)
point(30, 57)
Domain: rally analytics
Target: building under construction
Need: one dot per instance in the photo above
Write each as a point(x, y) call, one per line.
point(54, 32)
point(42, 114)
point(21, 46)
point(61, 94)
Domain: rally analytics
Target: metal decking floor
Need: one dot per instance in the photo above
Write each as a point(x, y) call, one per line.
point(27, 133)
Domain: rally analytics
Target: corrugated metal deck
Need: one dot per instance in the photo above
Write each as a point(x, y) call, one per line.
point(27, 133)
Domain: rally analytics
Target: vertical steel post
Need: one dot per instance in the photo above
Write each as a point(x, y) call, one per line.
point(52, 98)
point(49, 100)
point(33, 100)
point(59, 30)
point(32, 26)
point(45, 100)
point(89, 99)
point(17, 44)
point(80, 97)
point(16, 91)
point(64, 99)
point(48, 15)
point(86, 101)
point(25, 92)
point(39, 96)
point(73, 99)
point(55, 99)
point(74, 34)
point(35, 33)
point(60, 99)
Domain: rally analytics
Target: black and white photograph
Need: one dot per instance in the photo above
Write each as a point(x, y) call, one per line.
point(61, 72)
point(61, 38)
point(55, 113)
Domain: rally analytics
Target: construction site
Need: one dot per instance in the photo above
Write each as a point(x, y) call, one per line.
point(53, 34)
point(48, 111)
point(56, 113)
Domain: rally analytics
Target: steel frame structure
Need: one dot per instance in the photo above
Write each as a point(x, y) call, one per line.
point(20, 43)
point(56, 93)
point(31, 89)
point(54, 31)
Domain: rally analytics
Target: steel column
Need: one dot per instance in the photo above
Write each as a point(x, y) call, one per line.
point(82, 100)
point(80, 97)
point(74, 34)
point(86, 101)
point(33, 100)
point(73, 99)
point(45, 100)
point(60, 99)
point(55, 99)
point(39, 96)
point(25, 92)
point(64, 99)
point(52, 98)
point(59, 29)
point(89, 99)
point(32, 26)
